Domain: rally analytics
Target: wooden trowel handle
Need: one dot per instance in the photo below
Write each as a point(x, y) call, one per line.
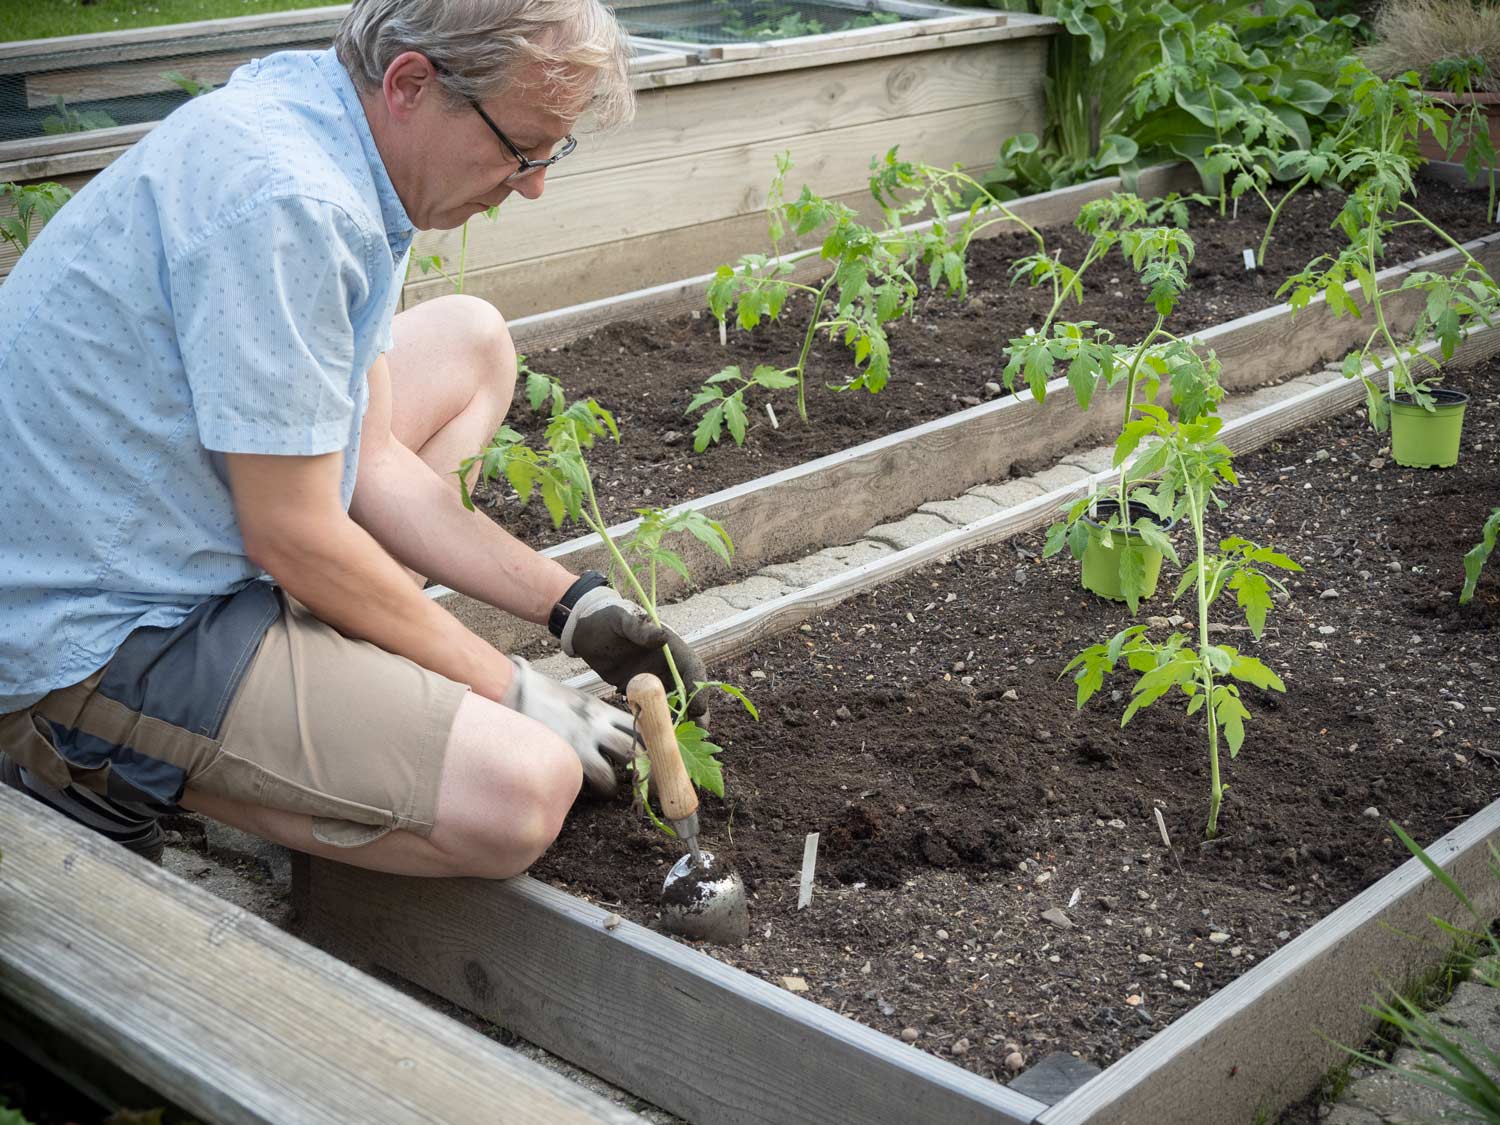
point(648, 699)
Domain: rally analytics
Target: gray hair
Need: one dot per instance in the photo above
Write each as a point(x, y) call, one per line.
point(479, 45)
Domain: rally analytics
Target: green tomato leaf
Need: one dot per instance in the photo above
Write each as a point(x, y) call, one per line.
point(698, 755)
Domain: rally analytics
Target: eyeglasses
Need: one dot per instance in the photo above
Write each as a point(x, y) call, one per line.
point(526, 166)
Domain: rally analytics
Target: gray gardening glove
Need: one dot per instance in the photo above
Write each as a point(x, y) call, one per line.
point(597, 732)
point(617, 640)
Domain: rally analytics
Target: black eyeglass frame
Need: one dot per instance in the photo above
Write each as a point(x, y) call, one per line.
point(526, 165)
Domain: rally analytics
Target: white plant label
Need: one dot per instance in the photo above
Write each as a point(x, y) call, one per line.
point(809, 865)
point(1249, 258)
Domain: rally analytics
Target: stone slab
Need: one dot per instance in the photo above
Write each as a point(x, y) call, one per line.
point(1094, 460)
point(914, 529)
point(753, 591)
point(962, 509)
point(1058, 476)
point(1054, 1078)
point(1009, 493)
point(826, 563)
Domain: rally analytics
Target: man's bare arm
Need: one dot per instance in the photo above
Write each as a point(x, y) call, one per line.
point(295, 528)
point(416, 514)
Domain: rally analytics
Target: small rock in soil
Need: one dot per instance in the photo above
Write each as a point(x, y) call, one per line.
point(1393, 567)
point(1010, 694)
point(1218, 938)
point(1329, 594)
point(961, 1047)
point(1057, 918)
point(1015, 1062)
point(794, 984)
point(843, 714)
point(992, 389)
point(1327, 630)
point(671, 437)
point(1373, 813)
point(909, 1034)
point(1182, 985)
point(611, 921)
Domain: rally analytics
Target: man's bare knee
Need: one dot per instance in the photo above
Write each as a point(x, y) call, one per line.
point(493, 356)
point(504, 796)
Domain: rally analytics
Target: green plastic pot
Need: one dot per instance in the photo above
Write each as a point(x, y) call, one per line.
point(1101, 564)
point(1427, 439)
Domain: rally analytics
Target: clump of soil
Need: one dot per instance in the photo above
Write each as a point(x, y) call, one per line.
point(647, 371)
point(991, 875)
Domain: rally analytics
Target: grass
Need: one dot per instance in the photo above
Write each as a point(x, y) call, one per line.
point(71, 17)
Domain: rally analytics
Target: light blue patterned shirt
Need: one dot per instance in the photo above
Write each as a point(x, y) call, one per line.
point(223, 287)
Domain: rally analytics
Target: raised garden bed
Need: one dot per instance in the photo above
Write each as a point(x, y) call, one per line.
point(648, 370)
point(952, 804)
point(930, 822)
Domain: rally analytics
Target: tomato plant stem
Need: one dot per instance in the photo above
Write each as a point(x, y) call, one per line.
point(1129, 406)
point(1260, 255)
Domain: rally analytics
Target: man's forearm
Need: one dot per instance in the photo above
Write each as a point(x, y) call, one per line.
point(419, 518)
point(347, 580)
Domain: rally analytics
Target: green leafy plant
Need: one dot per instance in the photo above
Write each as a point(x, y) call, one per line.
point(32, 202)
point(869, 285)
point(69, 120)
point(1478, 555)
point(1468, 130)
point(433, 263)
point(1453, 1062)
point(544, 394)
point(1194, 464)
point(558, 472)
point(191, 86)
point(1452, 303)
point(1212, 68)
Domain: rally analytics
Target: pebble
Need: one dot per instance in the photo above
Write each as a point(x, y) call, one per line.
point(961, 1047)
point(1372, 812)
point(804, 628)
point(1329, 594)
point(1176, 619)
point(1015, 1062)
point(1284, 935)
point(968, 400)
point(611, 921)
point(1133, 1000)
point(843, 713)
point(1010, 694)
point(1144, 959)
point(909, 1034)
point(794, 984)
point(1455, 704)
point(1182, 986)
point(992, 389)
point(1116, 824)
point(1218, 938)
point(757, 674)
point(1366, 575)
point(942, 935)
point(1057, 918)
point(1488, 710)
point(1327, 630)
point(1393, 567)
point(1321, 455)
point(671, 437)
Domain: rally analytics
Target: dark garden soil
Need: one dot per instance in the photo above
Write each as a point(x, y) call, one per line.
point(647, 371)
point(922, 729)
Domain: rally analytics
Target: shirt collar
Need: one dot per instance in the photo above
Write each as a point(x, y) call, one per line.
point(398, 226)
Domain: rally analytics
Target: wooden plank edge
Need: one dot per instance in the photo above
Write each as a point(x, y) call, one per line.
point(162, 1004)
point(675, 1026)
point(1303, 992)
point(99, 45)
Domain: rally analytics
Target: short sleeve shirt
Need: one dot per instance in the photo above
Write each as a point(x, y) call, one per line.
point(223, 287)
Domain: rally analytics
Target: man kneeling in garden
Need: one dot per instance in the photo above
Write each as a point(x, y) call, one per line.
point(203, 386)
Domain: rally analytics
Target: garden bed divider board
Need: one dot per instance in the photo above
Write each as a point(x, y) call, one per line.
point(1266, 1039)
point(226, 1016)
point(861, 36)
point(768, 518)
point(698, 1038)
point(741, 631)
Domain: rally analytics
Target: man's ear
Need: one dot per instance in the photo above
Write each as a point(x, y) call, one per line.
point(410, 80)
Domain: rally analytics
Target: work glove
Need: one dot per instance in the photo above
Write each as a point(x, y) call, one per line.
point(598, 733)
point(617, 640)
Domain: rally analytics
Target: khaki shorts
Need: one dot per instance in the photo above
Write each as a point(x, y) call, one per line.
point(252, 698)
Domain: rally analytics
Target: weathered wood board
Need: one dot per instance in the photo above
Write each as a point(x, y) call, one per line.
point(1265, 1040)
point(659, 1018)
point(227, 1016)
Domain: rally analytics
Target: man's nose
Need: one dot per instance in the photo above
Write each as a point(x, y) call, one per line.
point(530, 186)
